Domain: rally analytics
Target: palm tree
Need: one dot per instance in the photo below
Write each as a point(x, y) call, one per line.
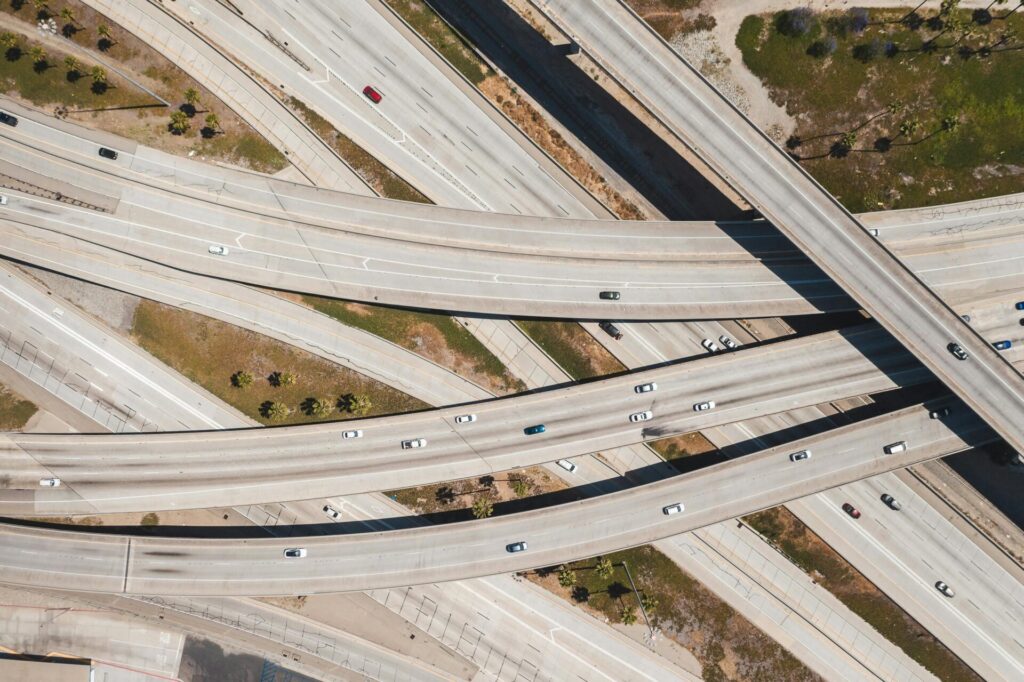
point(212, 122)
point(950, 123)
point(482, 507)
point(99, 75)
point(909, 127)
point(359, 404)
point(71, 64)
point(39, 5)
point(628, 615)
point(284, 378)
point(849, 139)
point(192, 97)
point(520, 487)
point(179, 122)
point(68, 15)
point(895, 107)
point(321, 408)
point(278, 411)
point(566, 576)
point(604, 567)
point(8, 40)
point(241, 379)
point(38, 54)
point(649, 602)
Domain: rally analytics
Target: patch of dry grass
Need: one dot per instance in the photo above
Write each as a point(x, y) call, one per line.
point(15, 411)
point(834, 573)
point(210, 352)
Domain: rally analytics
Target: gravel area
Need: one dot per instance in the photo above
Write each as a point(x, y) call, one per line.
point(113, 307)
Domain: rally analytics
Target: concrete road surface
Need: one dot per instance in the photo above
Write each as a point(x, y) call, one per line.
point(174, 470)
point(802, 210)
point(198, 566)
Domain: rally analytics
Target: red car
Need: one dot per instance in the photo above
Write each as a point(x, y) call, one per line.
point(374, 96)
point(851, 510)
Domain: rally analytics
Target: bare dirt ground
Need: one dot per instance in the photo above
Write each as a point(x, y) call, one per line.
point(461, 494)
point(531, 122)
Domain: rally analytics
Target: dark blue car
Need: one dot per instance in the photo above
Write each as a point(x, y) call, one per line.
point(531, 430)
point(1002, 345)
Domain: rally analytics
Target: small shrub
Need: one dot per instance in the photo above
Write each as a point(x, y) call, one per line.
point(823, 48)
point(796, 22)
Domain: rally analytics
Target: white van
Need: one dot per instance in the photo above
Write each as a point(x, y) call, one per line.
point(893, 448)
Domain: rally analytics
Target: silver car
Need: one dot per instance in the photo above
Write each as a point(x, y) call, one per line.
point(641, 416)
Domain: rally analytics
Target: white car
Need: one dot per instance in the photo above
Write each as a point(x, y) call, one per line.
point(49, 482)
point(641, 416)
point(800, 456)
point(945, 589)
point(567, 465)
point(331, 512)
point(218, 250)
point(673, 509)
point(710, 345)
point(700, 407)
point(414, 443)
point(295, 553)
point(646, 388)
point(893, 448)
point(727, 342)
point(465, 419)
point(3, 200)
point(356, 433)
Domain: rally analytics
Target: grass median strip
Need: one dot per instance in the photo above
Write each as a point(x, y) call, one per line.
point(15, 411)
point(572, 347)
point(439, 338)
point(808, 551)
point(254, 373)
point(727, 645)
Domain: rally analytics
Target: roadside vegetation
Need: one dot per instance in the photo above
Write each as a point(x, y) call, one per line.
point(15, 411)
point(572, 347)
point(501, 493)
point(670, 18)
point(438, 33)
point(382, 179)
point(726, 644)
point(41, 69)
point(830, 570)
point(688, 451)
point(898, 108)
point(265, 379)
point(439, 338)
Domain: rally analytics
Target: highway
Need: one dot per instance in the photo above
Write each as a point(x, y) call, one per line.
point(123, 472)
point(792, 201)
point(314, 158)
point(302, 257)
point(245, 307)
point(517, 633)
point(196, 566)
point(905, 553)
point(432, 132)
